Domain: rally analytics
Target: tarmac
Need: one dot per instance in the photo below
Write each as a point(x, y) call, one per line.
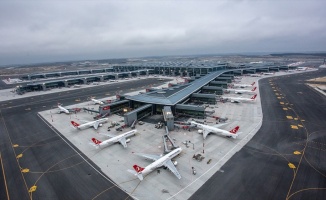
point(114, 161)
point(255, 171)
point(37, 162)
point(286, 158)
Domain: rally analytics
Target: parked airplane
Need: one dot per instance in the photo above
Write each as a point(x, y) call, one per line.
point(114, 139)
point(269, 73)
point(159, 161)
point(243, 85)
point(97, 101)
point(302, 68)
point(205, 129)
point(67, 110)
point(255, 75)
point(94, 124)
point(77, 86)
point(240, 99)
point(63, 110)
point(241, 91)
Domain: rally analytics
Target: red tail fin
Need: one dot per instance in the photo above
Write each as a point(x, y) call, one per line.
point(96, 141)
point(253, 83)
point(235, 130)
point(253, 97)
point(254, 89)
point(137, 168)
point(75, 124)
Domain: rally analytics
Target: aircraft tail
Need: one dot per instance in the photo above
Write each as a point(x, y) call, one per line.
point(234, 131)
point(75, 124)
point(96, 141)
point(139, 170)
point(254, 97)
point(254, 89)
point(252, 84)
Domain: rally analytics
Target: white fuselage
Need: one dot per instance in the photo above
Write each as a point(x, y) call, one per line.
point(117, 138)
point(302, 68)
point(62, 109)
point(240, 91)
point(240, 99)
point(267, 73)
point(160, 162)
point(255, 75)
point(242, 85)
point(97, 101)
point(91, 124)
point(212, 129)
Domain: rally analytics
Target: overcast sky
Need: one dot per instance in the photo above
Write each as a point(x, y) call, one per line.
point(48, 30)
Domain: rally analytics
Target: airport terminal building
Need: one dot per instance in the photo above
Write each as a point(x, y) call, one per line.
point(203, 82)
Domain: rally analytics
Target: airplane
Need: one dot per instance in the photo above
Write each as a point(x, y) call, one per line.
point(291, 70)
point(302, 68)
point(244, 85)
point(205, 129)
point(159, 161)
point(77, 86)
point(67, 110)
point(63, 110)
point(97, 101)
point(255, 75)
point(94, 124)
point(114, 139)
point(241, 91)
point(268, 73)
point(240, 99)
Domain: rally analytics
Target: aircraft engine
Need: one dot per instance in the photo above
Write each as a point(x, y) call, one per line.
point(100, 125)
point(175, 163)
point(128, 140)
point(200, 131)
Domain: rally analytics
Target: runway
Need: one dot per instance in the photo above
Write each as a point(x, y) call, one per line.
point(286, 158)
point(32, 154)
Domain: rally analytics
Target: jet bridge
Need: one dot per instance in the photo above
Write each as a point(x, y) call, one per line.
point(225, 79)
point(166, 138)
point(138, 114)
point(168, 117)
point(219, 84)
point(212, 89)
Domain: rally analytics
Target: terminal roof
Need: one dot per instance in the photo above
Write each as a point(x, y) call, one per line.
point(178, 94)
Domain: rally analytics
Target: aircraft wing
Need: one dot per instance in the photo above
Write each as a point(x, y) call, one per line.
point(149, 156)
point(172, 168)
point(96, 124)
point(219, 125)
point(123, 142)
point(205, 133)
point(107, 135)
